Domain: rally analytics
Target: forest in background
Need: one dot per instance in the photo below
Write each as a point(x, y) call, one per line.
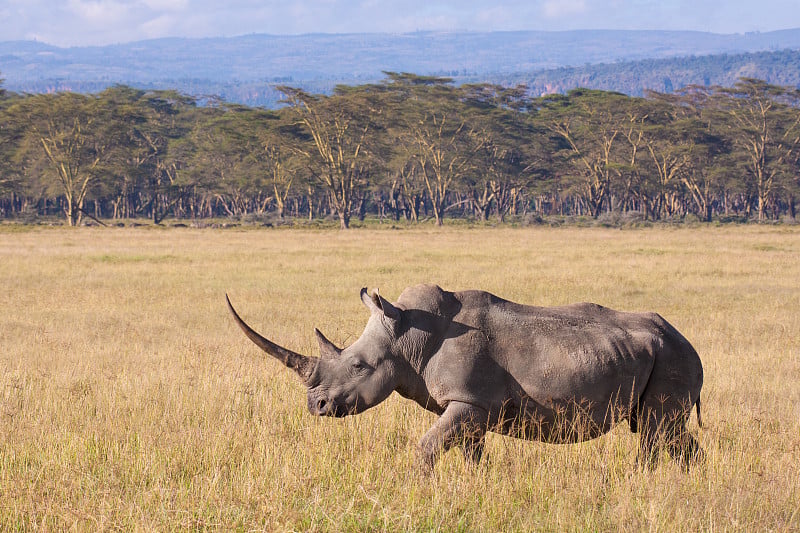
point(407, 148)
point(636, 78)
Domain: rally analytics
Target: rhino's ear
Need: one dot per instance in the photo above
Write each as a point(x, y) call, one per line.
point(378, 304)
point(326, 348)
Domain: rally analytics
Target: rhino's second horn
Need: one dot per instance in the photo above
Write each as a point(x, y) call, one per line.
point(303, 365)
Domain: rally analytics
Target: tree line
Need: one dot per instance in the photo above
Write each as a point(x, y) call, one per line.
point(411, 147)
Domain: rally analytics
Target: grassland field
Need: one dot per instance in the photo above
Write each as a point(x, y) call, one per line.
point(130, 401)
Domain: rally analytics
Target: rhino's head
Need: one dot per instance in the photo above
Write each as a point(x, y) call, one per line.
point(350, 380)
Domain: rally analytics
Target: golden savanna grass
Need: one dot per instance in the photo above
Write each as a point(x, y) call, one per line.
point(130, 400)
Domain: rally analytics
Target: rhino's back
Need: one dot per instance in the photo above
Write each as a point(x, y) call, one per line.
point(553, 355)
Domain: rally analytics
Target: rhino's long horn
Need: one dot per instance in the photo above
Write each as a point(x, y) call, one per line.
point(301, 364)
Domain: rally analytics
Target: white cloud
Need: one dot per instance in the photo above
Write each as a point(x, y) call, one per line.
point(166, 5)
point(88, 22)
point(99, 11)
point(554, 9)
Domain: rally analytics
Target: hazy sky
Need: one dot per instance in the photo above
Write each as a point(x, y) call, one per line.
point(88, 22)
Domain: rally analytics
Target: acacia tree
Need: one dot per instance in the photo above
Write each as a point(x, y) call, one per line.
point(692, 142)
point(792, 185)
point(11, 130)
point(440, 156)
point(169, 117)
point(227, 155)
point(764, 127)
point(509, 147)
point(138, 172)
point(280, 175)
point(340, 127)
point(589, 124)
point(64, 130)
point(655, 175)
point(402, 97)
point(635, 119)
point(437, 134)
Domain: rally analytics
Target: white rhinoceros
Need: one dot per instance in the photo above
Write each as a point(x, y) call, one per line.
point(555, 374)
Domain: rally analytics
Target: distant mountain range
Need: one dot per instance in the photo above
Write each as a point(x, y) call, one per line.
point(246, 69)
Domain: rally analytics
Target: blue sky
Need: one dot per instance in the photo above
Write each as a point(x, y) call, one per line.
point(97, 22)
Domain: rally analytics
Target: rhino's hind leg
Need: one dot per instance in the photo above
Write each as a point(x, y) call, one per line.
point(648, 448)
point(683, 447)
point(460, 424)
point(666, 429)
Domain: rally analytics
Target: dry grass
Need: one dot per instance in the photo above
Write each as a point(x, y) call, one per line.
point(129, 400)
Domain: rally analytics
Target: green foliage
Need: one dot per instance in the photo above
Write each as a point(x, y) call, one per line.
point(411, 147)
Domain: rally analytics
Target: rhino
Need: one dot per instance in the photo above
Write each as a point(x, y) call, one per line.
point(555, 374)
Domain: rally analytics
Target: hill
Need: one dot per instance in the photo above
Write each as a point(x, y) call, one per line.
point(245, 69)
point(665, 75)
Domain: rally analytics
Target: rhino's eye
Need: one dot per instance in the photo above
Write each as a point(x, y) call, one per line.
point(358, 364)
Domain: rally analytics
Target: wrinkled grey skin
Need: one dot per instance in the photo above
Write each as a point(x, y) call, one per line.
point(555, 374)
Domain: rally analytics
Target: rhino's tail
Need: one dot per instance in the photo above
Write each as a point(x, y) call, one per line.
point(633, 418)
point(699, 417)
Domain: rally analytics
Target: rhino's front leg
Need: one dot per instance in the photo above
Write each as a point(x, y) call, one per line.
point(460, 424)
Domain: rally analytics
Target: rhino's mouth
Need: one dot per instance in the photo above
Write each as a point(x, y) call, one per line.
point(326, 407)
point(340, 411)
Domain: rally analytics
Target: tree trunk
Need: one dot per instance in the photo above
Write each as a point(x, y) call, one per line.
point(73, 212)
point(438, 211)
point(344, 220)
